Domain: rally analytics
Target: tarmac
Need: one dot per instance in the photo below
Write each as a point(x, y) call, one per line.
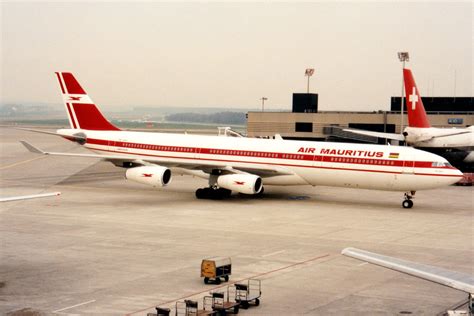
point(109, 246)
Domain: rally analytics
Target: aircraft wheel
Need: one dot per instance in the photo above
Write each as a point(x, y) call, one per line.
point(206, 280)
point(200, 193)
point(257, 302)
point(225, 192)
point(215, 194)
point(218, 280)
point(407, 204)
point(226, 278)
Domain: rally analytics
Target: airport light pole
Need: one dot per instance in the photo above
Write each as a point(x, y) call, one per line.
point(403, 57)
point(263, 102)
point(308, 73)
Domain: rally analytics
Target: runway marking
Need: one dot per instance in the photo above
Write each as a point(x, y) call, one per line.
point(69, 307)
point(21, 162)
point(273, 253)
point(207, 290)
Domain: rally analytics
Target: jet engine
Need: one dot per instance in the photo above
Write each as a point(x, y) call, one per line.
point(242, 183)
point(156, 176)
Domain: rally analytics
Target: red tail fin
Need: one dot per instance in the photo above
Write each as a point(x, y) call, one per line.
point(415, 109)
point(82, 112)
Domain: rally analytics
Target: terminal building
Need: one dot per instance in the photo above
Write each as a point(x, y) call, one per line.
point(305, 122)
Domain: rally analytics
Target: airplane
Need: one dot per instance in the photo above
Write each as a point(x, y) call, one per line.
point(242, 164)
point(28, 197)
point(453, 279)
point(455, 144)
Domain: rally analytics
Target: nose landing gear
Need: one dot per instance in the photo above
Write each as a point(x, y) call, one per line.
point(408, 203)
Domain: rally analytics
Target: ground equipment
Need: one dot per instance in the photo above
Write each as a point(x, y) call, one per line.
point(160, 312)
point(191, 308)
point(220, 304)
point(249, 293)
point(215, 268)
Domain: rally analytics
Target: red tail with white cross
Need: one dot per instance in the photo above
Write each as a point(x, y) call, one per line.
point(415, 109)
point(82, 112)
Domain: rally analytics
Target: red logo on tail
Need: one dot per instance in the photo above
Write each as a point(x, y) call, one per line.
point(74, 98)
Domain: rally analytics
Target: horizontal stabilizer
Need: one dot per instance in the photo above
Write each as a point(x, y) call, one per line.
point(376, 134)
point(37, 131)
point(453, 279)
point(32, 148)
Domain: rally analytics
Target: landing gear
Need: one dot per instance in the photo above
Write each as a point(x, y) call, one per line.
point(213, 193)
point(408, 203)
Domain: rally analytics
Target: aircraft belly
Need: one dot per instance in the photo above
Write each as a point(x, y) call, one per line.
point(378, 180)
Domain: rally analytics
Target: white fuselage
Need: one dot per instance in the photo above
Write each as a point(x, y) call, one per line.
point(432, 137)
point(365, 166)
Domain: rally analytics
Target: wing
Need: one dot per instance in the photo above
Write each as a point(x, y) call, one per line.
point(376, 134)
point(453, 279)
point(183, 164)
point(27, 197)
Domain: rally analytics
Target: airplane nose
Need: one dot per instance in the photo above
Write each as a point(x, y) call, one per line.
point(458, 175)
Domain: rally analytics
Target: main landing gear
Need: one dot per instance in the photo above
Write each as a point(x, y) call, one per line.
point(213, 193)
point(408, 203)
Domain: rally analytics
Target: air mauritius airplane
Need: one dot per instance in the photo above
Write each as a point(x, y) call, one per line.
point(456, 144)
point(243, 164)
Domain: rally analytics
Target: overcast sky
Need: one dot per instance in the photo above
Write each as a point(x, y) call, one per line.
point(231, 54)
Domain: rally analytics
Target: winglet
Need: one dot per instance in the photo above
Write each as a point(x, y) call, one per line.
point(32, 148)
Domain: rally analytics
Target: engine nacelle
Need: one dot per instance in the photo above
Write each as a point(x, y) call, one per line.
point(156, 176)
point(242, 183)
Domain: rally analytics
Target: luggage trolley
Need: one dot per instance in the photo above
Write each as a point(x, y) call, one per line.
point(191, 308)
point(160, 312)
point(220, 304)
point(215, 268)
point(248, 293)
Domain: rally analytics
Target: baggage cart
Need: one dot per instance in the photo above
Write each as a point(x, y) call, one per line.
point(220, 304)
point(248, 293)
point(160, 312)
point(215, 268)
point(191, 308)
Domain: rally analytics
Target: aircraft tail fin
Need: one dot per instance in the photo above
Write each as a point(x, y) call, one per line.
point(81, 110)
point(416, 111)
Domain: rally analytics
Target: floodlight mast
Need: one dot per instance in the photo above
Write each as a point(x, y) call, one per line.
point(403, 57)
point(263, 102)
point(308, 73)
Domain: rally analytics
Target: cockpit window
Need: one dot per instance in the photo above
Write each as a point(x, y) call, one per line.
point(440, 164)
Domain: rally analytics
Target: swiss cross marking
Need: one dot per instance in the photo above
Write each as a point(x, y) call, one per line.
point(413, 99)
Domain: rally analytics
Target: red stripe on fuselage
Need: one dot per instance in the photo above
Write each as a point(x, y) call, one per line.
point(285, 156)
point(274, 164)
